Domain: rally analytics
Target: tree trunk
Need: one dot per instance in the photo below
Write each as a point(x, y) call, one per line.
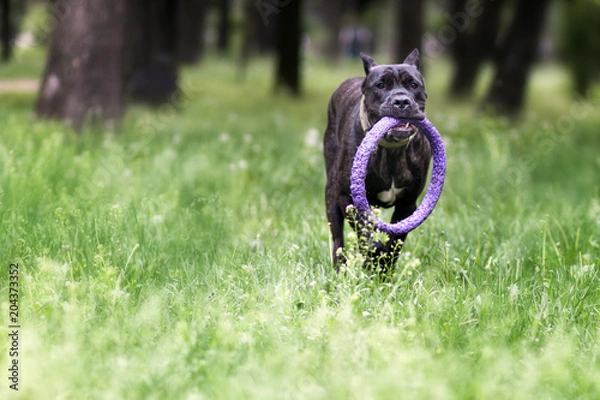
point(151, 66)
point(580, 44)
point(459, 21)
point(191, 26)
point(84, 75)
point(332, 12)
point(104, 52)
point(409, 20)
point(224, 26)
point(289, 33)
point(263, 23)
point(475, 44)
point(249, 38)
point(516, 57)
point(5, 30)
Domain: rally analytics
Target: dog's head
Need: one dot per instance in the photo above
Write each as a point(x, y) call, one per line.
point(394, 90)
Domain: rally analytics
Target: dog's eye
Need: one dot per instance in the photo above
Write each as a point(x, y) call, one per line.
point(380, 85)
point(414, 85)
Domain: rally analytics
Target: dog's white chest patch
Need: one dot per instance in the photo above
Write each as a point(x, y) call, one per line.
point(389, 196)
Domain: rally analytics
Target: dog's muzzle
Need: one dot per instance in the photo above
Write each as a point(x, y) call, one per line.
point(398, 136)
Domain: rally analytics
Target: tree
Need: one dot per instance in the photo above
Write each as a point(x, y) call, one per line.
point(515, 58)
point(258, 33)
point(475, 43)
point(224, 7)
point(104, 52)
point(5, 30)
point(288, 37)
point(580, 44)
point(191, 23)
point(331, 13)
point(84, 70)
point(409, 20)
point(151, 50)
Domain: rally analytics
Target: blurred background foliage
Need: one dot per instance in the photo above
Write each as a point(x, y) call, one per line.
point(140, 47)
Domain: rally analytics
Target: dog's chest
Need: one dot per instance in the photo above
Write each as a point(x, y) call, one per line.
point(388, 197)
point(388, 179)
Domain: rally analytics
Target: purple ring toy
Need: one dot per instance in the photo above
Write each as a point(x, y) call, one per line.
point(359, 174)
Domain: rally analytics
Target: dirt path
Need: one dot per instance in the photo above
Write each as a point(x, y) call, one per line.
point(19, 86)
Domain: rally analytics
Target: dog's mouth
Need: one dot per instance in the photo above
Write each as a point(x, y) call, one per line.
point(398, 136)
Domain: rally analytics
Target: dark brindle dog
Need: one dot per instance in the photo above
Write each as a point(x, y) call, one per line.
point(397, 169)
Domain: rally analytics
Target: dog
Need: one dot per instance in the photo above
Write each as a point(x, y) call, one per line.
point(398, 167)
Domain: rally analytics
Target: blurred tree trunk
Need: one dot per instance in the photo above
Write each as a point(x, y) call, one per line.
point(409, 22)
point(5, 30)
point(224, 7)
point(456, 14)
point(191, 17)
point(580, 43)
point(332, 12)
point(84, 70)
point(475, 44)
point(263, 24)
point(152, 50)
point(515, 58)
point(249, 38)
point(104, 52)
point(288, 40)
point(259, 30)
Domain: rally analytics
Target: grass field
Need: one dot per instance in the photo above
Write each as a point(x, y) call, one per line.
point(185, 254)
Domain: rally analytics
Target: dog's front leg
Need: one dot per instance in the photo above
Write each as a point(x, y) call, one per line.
point(335, 216)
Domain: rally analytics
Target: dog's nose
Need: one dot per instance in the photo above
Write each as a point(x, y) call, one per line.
point(402, 102)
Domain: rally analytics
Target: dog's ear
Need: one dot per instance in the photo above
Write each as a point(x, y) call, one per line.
point(414, 59)
point(368, 62)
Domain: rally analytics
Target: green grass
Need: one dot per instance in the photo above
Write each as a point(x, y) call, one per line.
point(25, 64)
point(185, 254)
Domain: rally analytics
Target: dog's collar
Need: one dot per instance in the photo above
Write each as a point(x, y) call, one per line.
point(365, 122)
